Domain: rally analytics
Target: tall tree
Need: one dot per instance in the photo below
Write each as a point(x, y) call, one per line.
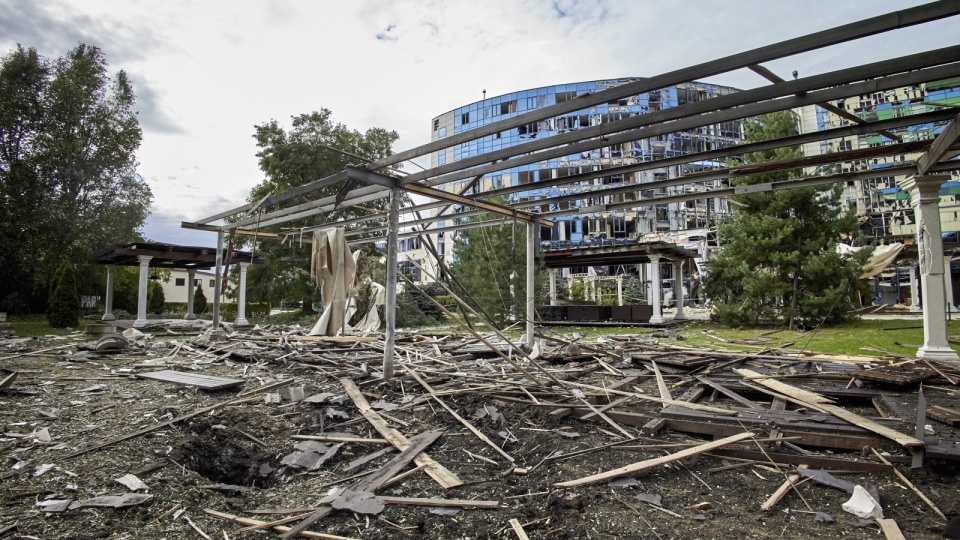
point(68, 182)
point(491, 264)
point(779, 262)
point(313, 148)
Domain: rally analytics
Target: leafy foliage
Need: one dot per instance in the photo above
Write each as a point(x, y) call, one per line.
point(779, 262)
point(63, 309)
point(485, 264)
point(291, 158)
point(68, 183)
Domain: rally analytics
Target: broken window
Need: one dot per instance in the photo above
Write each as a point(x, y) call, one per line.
point(508, 107)
point(563, 96)
point(436, 124)
point(465, 118)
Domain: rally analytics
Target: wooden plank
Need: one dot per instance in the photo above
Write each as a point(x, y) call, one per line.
point(891, 531)
point(898, 374)
point(421, 501)
point(518, 529)
point(338, 438)
point(807, 438)
point(8, 380)
point(816, 400)
point(278, 528)
point(783, 388)
point(655, 425)
point(435, 470)
point(729, 393)
point(650, 463)
point(661, 385)
point(462, 420)
point(418, 443)
point(780, 493)
point(951, 417)
point(205, 382)
point(814, 461)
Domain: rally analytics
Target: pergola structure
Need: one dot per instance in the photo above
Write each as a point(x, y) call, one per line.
point(157, 255)
point(376, 179)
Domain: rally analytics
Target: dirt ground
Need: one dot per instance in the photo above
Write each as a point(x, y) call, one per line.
point(229, 459)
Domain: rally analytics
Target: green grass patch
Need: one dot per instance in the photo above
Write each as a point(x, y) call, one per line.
point(864, 338)
point(37, 325)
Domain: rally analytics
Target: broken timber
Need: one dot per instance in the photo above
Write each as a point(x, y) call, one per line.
point(650, 463)
point(815, 400)
point(204, 382)
point(436, 471)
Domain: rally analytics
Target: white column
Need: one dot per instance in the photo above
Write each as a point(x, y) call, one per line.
point(242, 296)
point(142, 291)
point(914, 291)
point(191, 288)
point(553, 286)
point(657, 317)
point(108, 299)
point(620, 290)
point(531, 267)
point(678, 290)
point(390, 309)
point(948, 284)
point(925, 199)
point(218, 275)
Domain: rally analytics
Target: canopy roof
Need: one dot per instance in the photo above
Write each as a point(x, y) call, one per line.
point(167, 255)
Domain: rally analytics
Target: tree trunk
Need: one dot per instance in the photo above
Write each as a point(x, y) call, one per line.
point(796, 278)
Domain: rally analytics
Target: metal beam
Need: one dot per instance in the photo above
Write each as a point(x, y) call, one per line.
point(798, 88)
point(842, 113)
point(941, 145)
point(824, 38)
point(741, 111)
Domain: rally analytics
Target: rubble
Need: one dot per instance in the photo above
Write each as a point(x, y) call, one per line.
point(473, 438)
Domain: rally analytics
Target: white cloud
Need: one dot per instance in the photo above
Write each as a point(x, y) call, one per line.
point(207, 72)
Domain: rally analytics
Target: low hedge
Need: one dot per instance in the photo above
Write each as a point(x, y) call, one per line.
point(228, 310)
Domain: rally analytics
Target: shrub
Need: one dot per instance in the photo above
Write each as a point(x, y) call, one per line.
point(199, 300)
point(63, 310)
point(155, 298)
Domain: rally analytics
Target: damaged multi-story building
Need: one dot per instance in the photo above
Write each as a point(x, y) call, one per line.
point(884, 208)
point(568, 180)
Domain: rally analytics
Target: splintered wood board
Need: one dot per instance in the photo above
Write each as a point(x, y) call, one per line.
point(901, 375)
point(206, 382)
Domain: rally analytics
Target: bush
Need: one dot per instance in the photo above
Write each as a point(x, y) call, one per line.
point(155, 298)
point(199, 300)
point(228, 310)
point(63, 310)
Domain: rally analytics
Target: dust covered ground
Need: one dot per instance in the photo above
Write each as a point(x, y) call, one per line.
point(236, 458)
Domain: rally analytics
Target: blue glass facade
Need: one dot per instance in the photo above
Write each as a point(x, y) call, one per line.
point(582, 226)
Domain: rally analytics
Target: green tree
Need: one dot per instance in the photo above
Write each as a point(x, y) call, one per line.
point(155, 298)
point(306, 152)
point(199, 300)
point(68, 183)
point(779, 262)
point(63, 308)
point(489, 263)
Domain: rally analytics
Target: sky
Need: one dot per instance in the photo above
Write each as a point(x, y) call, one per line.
point(206, 72)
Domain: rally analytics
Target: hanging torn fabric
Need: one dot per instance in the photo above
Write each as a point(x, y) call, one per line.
point(332, 268)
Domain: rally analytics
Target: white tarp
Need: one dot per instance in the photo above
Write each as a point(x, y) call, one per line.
point(881, 258)
point(333, 269)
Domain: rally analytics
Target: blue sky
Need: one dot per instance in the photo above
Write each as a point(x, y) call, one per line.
point(206, 72)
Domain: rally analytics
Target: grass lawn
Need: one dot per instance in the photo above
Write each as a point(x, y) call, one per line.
point(36, 325)
point(899, 336)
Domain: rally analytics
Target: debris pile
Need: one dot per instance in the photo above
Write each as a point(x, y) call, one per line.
point(625, 436)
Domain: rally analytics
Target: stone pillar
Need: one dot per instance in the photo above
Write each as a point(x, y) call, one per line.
point(678, 290)
point(925, 199)
point(948, 284)
point(657, 317)
point(553, 286)
point(108, 299)
point(914, 291)
point(191, 288)
point(242, 296)
point(620, 290)
point(142, 291)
